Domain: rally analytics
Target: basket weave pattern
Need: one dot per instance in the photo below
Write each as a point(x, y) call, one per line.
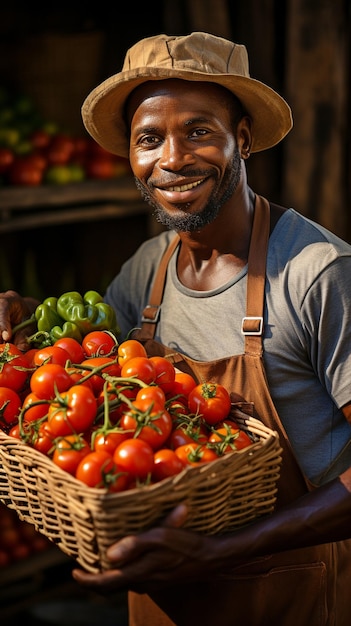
point(83, 521)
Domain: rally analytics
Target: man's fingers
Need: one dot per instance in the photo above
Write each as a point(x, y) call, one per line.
point(177, 517)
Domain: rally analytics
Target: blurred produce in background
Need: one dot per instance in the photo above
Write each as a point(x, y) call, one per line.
point(35, 151)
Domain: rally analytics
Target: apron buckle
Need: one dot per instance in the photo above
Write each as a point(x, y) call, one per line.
point(252, 325)
point(151, 313)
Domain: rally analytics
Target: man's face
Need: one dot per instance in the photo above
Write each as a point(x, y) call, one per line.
point(183, 150)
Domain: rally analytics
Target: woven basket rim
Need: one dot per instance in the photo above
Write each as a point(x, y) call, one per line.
point(250, 423)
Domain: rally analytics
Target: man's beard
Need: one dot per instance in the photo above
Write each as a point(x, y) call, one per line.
point(190, 222)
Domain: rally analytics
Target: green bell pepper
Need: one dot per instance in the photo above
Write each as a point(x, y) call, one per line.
point(88, 312)
point(49, 321)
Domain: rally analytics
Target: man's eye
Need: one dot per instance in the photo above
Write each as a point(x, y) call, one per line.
point(199, 132)
point(149, 141)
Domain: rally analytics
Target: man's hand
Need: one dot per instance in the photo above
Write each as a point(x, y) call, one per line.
point(14, 309)
point(158, 556)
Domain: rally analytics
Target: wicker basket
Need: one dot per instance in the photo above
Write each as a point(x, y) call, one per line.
point(83, 522)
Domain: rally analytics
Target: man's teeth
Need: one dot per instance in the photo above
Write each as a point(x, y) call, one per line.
point(185, 187)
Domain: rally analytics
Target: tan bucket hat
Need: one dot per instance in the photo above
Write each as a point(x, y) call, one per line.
point(195, 57)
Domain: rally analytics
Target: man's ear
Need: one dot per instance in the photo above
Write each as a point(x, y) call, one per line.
point(244, 137)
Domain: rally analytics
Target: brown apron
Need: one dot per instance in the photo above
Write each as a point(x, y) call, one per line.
point(296, 587)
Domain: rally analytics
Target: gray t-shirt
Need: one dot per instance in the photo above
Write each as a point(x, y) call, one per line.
point(307, 330)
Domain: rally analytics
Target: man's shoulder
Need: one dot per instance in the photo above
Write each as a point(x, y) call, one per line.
point(153, 248)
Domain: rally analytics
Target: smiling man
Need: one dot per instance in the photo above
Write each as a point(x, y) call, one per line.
point(243, 292)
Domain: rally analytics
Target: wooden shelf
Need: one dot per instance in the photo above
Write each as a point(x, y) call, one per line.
point(47, 205)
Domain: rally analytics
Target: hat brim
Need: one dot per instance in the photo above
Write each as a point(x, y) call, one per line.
point(104, 116)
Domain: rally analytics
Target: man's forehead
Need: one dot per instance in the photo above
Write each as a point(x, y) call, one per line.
point(175, 88)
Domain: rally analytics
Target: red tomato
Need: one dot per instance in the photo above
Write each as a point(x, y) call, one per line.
point(139, 367)
point(166, 463)
point(118, 400)
point(165, 372)
point(24, 172)
point(177, 409)
point(135, 457)
point(13, 367)
point(105, 365)
point(30, 354)
point(150, 398)
point(230, 438)
point(99, 470)
point(51, 354)
point(37, 160)
point(101, 168)
point(78, 375)
point(129, 349)
point(40, 138)
point(69, 451)
point(211, 401)
point(44, 439)
point(115, 406)
point(7, 157)
point(194, 454)
point(73, 347)
point(10, 405)
point(188, 433)
point(59, 150)
point(73, 411)
point(154, 428)
point(47, 378)
point(15, 431)
point(183, 384)
point(35, 407)
point(108, 441)
point(99, 343)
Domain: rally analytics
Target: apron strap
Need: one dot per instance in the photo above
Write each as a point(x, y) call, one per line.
point(151, 312)
point(252, 323)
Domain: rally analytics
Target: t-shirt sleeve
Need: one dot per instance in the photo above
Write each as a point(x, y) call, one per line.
point(328, 301)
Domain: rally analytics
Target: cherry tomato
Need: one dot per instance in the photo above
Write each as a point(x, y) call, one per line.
point(30, 357)
point(77, 375)
point(73, 411)
point(108, 441)
point(69, 451)
point(98, 469)
point(155, 428)
point(73, 347)
point(7, 157)
point(211, 401)
point(35, 407)
point(139, 367)
point(129, 349)
point(106, 365)
point(51, 354)
point(117, 398)
point(10, 405)
point(99, 343)
point(194, 454)
point(188, 433)
point(135, 457)
point(177, 409)
point(44, 440)
point(230, 438)
point(24, 172)
point(182, 386)
point(48, 378)
point(13, 367)
point(166, 463)
point(165, 372)
point(151, 397)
